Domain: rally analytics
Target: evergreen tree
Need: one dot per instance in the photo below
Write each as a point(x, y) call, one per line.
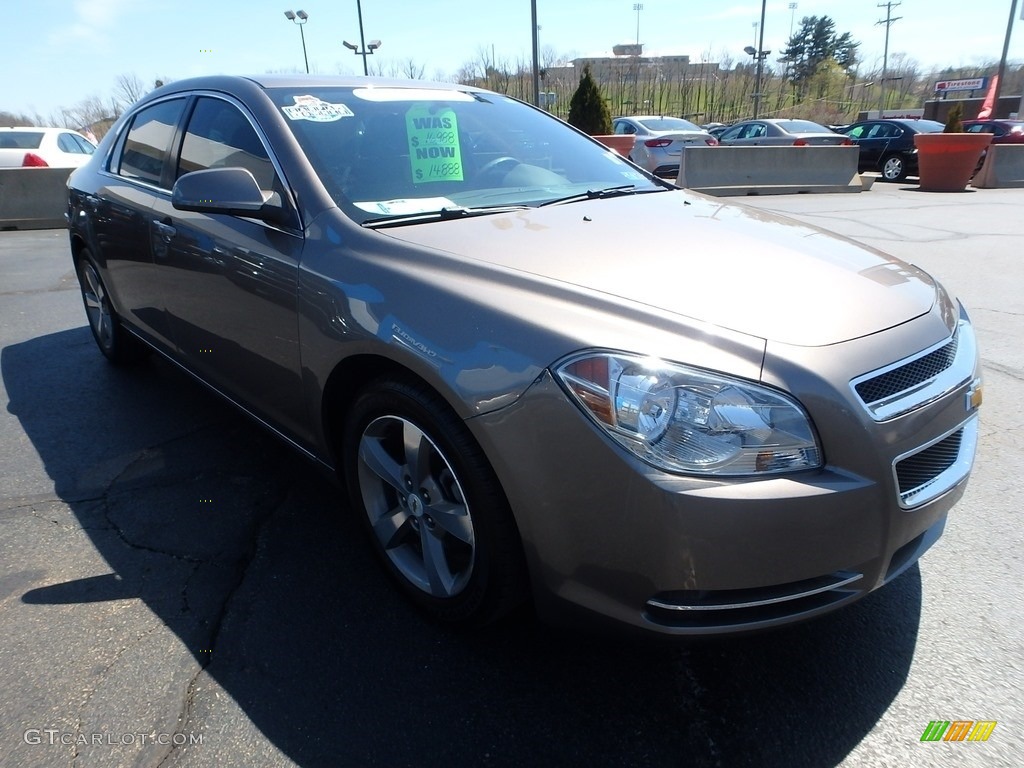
point(587, 110)
point(815, 44)
point(954, 120)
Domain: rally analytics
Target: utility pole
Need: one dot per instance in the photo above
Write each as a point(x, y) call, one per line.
point(888, 21)
point(535, 39)
point(1002, 60)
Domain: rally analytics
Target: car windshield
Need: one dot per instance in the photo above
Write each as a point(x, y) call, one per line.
point(669, 124)
point(400, 152)
point(802, 126)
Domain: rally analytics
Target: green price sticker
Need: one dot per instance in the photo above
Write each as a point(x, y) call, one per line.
point(434, 150)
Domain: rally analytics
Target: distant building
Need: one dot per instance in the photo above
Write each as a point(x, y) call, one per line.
point(611, 69)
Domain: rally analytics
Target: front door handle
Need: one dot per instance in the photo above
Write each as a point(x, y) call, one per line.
point(166, 231)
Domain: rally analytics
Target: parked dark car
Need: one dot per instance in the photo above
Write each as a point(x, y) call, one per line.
point(512, 348)
point(887, 146)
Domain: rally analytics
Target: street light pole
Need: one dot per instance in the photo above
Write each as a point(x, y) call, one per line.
point(362, 40)
point(300, 18)
point(367, 50)
point(761, 53)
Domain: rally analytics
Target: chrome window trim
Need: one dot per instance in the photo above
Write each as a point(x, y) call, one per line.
point(949, 477)
point(117, 148)
point(957, 374)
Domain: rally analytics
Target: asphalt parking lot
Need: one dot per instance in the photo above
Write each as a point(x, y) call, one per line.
point(178, 589)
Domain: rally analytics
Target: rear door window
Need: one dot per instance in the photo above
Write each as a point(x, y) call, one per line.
point(144, 152)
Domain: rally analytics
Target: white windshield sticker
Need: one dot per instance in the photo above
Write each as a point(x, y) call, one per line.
point(416, 205)
point(312, 108)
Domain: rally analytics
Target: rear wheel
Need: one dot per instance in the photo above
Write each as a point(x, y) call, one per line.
point(894, 168)
point(114, 341)
point(432, 505)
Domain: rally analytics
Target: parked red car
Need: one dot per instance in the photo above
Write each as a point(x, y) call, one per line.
point(1004, 131)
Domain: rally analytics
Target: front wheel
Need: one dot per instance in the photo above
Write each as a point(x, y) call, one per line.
point(894, 168)
point(434, 510)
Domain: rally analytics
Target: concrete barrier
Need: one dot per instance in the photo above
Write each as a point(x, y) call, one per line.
point(725, 171)
point(1003, 168)
point(33, 198)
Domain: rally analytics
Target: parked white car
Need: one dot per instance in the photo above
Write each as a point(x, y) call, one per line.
point(659, 141)
point(38, 147)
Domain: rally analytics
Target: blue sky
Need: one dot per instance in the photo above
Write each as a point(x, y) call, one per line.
point(55, 53)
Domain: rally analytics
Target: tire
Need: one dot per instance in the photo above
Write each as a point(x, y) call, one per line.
point(894, 168)
point(117, 344)
point(431, 504)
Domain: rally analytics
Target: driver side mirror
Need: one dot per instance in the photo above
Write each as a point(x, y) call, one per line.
point(231, 191)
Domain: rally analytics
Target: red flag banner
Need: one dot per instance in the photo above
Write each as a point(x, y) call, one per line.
point(990, 98)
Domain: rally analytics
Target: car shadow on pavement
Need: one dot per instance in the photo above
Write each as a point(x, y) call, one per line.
point(244, 551)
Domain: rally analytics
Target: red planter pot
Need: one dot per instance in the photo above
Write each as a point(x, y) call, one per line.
point(620, 142)
point(946, 161)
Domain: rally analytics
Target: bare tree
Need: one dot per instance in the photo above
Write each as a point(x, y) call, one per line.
point(128, 90)
point(412, 70)
point(16, 118)
point(84, 116)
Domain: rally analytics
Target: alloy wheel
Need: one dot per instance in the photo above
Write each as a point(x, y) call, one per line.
point(416, 506)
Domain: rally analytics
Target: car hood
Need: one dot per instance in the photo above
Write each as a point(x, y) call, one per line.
point(726, 264)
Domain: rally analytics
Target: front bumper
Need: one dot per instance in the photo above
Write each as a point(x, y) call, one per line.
point(678, 555)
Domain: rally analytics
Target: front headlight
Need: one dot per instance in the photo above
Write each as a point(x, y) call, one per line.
point(689, 421)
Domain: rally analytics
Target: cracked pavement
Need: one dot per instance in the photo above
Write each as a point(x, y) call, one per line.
point(168, 569)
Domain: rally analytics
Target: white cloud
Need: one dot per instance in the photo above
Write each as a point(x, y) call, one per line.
point(92, 22)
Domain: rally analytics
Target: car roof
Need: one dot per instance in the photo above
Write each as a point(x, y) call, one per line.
point(233, 83)
point(651, 117)
point(35, 128)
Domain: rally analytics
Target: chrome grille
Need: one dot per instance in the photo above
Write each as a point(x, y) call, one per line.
point(923, 467)
point(909, 375)
point(920, 379)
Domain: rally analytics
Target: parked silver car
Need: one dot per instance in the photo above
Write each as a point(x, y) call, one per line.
point(536, 370)
point(779, 133)
point(659, 141)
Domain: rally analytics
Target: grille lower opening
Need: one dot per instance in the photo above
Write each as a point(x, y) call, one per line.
point(923, 467)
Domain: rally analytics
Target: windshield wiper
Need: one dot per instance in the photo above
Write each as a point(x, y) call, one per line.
point(595, 194)
point(444, 214)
